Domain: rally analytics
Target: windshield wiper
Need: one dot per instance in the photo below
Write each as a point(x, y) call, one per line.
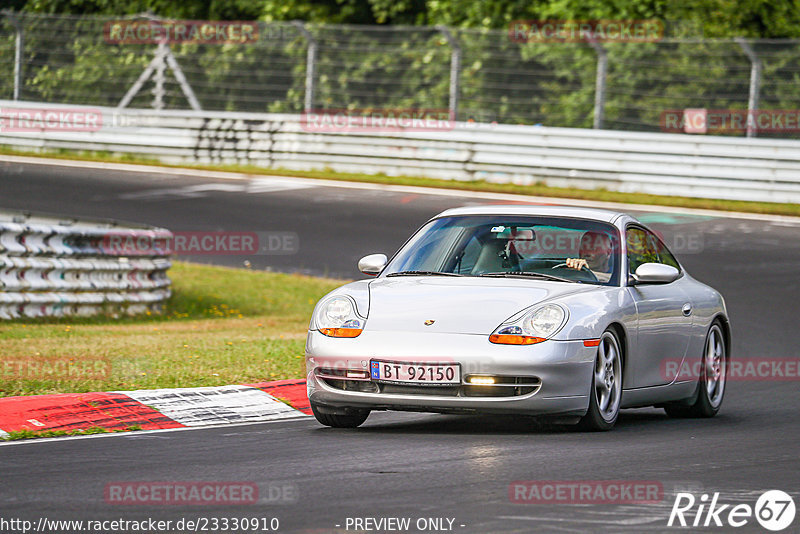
point(543, 276)
point(422, 273)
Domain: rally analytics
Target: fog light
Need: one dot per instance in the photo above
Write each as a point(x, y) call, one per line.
point(357, 374)
point(481, 380)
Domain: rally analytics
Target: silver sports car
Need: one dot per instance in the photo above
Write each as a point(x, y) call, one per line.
point(536, 310)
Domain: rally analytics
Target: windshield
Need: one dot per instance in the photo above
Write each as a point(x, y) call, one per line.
point(493, 245)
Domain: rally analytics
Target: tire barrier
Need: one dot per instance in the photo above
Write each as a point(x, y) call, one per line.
point(51, 267)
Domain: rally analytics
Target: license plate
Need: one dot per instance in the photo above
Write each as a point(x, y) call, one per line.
point(430, 374)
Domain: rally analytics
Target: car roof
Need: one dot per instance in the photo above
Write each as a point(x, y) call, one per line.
point(572, 212)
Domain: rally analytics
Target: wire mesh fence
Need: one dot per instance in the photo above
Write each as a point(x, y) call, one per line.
point(482, 75)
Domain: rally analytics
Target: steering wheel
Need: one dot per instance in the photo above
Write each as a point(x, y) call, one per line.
point(582, 269)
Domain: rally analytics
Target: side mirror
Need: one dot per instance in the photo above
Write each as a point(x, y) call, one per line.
point(655, 273)
point(372, 264)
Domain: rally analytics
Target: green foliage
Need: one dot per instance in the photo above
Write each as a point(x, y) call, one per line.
point(192, 9)
point(710, 18)
point(388, 65)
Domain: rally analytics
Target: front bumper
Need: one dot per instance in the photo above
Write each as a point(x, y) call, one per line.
point(563, 369)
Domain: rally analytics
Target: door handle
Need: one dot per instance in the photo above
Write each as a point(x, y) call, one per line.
point(687, 309)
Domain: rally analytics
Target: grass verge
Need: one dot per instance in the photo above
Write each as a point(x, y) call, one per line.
point(35, 434)
point(221, 326)
point(600, 195)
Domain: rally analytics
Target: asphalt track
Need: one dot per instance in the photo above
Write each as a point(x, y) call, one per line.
point(418, 465)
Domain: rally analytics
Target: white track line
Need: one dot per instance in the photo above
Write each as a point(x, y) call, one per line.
point(315, 182)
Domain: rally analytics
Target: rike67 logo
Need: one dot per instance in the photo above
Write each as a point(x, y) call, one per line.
point(774, 510)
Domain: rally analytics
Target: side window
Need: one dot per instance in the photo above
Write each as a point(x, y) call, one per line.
point(640, 247)
point(665, 256)
point(644, 247)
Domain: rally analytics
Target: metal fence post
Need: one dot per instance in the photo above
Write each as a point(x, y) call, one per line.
point(20, 43)
point(158, 77)
point(311, 66)
point(455, 71)
point(600, 84)
point(755, 84)
point(157, 68)
point(172, 63)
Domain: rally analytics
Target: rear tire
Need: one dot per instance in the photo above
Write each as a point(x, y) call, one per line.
point(711, 384)
point(351, 419)
point(606, 391)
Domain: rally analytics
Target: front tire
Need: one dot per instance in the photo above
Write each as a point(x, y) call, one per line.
point(606, 390)
point(711, 384)
point(350, 419)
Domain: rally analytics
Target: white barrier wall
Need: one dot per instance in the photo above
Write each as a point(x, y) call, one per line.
point(57, 267)
point(736, 168)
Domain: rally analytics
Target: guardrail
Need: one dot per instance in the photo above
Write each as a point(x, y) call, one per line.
point(58, 267)
point(669, 164)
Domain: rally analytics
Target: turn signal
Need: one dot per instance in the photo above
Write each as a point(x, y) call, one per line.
point(341, 332)
point(511, 339)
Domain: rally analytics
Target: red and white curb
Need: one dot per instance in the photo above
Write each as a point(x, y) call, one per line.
point(156, 408)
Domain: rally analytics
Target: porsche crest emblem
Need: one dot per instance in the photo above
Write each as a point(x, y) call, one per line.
point(429, 322)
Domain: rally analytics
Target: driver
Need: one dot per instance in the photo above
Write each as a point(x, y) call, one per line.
point(595, 255)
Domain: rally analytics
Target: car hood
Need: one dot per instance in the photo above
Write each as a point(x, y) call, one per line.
point(466, 305)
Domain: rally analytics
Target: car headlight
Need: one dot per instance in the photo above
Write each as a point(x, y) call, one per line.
point(337, 317)
point(536, 326)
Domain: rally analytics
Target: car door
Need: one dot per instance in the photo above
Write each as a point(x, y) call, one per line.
point(664, 313)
